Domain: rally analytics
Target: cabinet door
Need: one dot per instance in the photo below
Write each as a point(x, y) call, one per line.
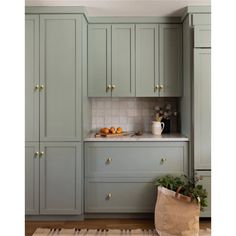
point(31, 178)
point(205, 180)
point(202, 109)
point(123, 61)
point(99, 60)
point(171, 60)
point(147, 71)
point(31, 78)
point(60, 178)
point(60, 74)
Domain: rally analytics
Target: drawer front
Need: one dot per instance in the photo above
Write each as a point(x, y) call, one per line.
point(119, 197)
point(202, 36)
point(132, 161)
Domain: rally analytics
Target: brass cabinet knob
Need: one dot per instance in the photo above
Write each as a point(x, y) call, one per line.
point(161, 86)
point(36, 87)
point(156, 87)
point(108, 87)
point(36, 154)
point(41, 87)
point(109, 195)
point(108, 160)
point(41, 154)
point(113, 86)
point(163, 160)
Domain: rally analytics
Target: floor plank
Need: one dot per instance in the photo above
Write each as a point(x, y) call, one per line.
point(31, 226)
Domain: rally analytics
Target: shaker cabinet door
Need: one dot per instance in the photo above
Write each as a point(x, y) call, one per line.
point(99, 60)
point(170, 60)
point(32, 78)
point(147, 64)
point(31, 178)
point(202, 109)
point(60, 178)
point(123, 78)
point(60, 76)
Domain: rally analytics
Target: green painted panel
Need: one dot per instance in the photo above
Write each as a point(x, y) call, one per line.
point(60, 73)
point(31, 178)
point(201, 19)
point(31, 78)
point(202, 109)
point(205, 180)
point(99, 60)
point(171, 60)
point(123, 77)
point(60, 178)
point(202, 36)
point(147, 64)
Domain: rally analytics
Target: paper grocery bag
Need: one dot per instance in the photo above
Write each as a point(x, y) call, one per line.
point(175, 214)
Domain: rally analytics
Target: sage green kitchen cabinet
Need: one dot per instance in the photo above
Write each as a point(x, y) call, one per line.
point(99, 60)
point(202, 36)
point(202, 109)
point(32, 178)
point(159, 60)
point(123, 77)
point(205, 180)
point(32, 78)
point(170, 60)
point(147, 60)
point(60, 77)
point(60, 178)
point(111, 60)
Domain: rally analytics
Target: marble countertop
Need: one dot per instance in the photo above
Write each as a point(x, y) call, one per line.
point(145, 137)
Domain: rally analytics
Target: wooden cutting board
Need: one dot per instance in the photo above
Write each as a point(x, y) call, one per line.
point(97, 135)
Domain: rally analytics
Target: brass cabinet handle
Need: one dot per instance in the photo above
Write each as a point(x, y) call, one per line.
point(156, 87)
point(41, 87)
point(113, 86)
point(109, 160)
point(36, 154)
point(163, 160)
point(108, 87)
point(41, 154)
point(36, 87)
point(109, 195)
point(161, 86)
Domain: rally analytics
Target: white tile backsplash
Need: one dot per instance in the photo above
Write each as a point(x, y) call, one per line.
point(129, 113)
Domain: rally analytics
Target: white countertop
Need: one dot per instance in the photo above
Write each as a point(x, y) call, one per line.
point(143, 138)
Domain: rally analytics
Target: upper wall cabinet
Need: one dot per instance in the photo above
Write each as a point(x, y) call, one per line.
point(60, 77)
point(111, 60)
point(147, 64)
point(159, 60)
point(31, 78)
point(171, 60)
point(123, 78)
point(99, 60)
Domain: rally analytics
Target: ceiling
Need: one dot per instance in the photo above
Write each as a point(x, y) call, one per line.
point(125, 7)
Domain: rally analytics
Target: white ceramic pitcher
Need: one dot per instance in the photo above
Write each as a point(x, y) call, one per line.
point(157, 127)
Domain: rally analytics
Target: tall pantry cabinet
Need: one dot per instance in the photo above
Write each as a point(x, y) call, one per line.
point(196, 101)
point(54, 60)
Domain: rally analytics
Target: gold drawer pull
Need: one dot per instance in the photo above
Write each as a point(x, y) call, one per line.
point(108, 87)
point(109, 195)
point(109, 160)
point(156, 87)
point(36, 87)
point(163, 160)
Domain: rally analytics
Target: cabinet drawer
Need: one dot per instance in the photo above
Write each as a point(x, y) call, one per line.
point(119, 197)
point(202, 36)
point(133, 160)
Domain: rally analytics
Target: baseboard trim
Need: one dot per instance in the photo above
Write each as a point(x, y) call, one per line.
point(54, 218)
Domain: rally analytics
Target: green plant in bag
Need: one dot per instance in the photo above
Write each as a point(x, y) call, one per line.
point(189, 187)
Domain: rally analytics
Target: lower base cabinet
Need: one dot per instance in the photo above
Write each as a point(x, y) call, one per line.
point(119, 196)
point(53, 178)
point(119, 175)
point(205, 180)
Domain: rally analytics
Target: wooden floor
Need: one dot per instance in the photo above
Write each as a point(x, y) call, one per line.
point(30, 226)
